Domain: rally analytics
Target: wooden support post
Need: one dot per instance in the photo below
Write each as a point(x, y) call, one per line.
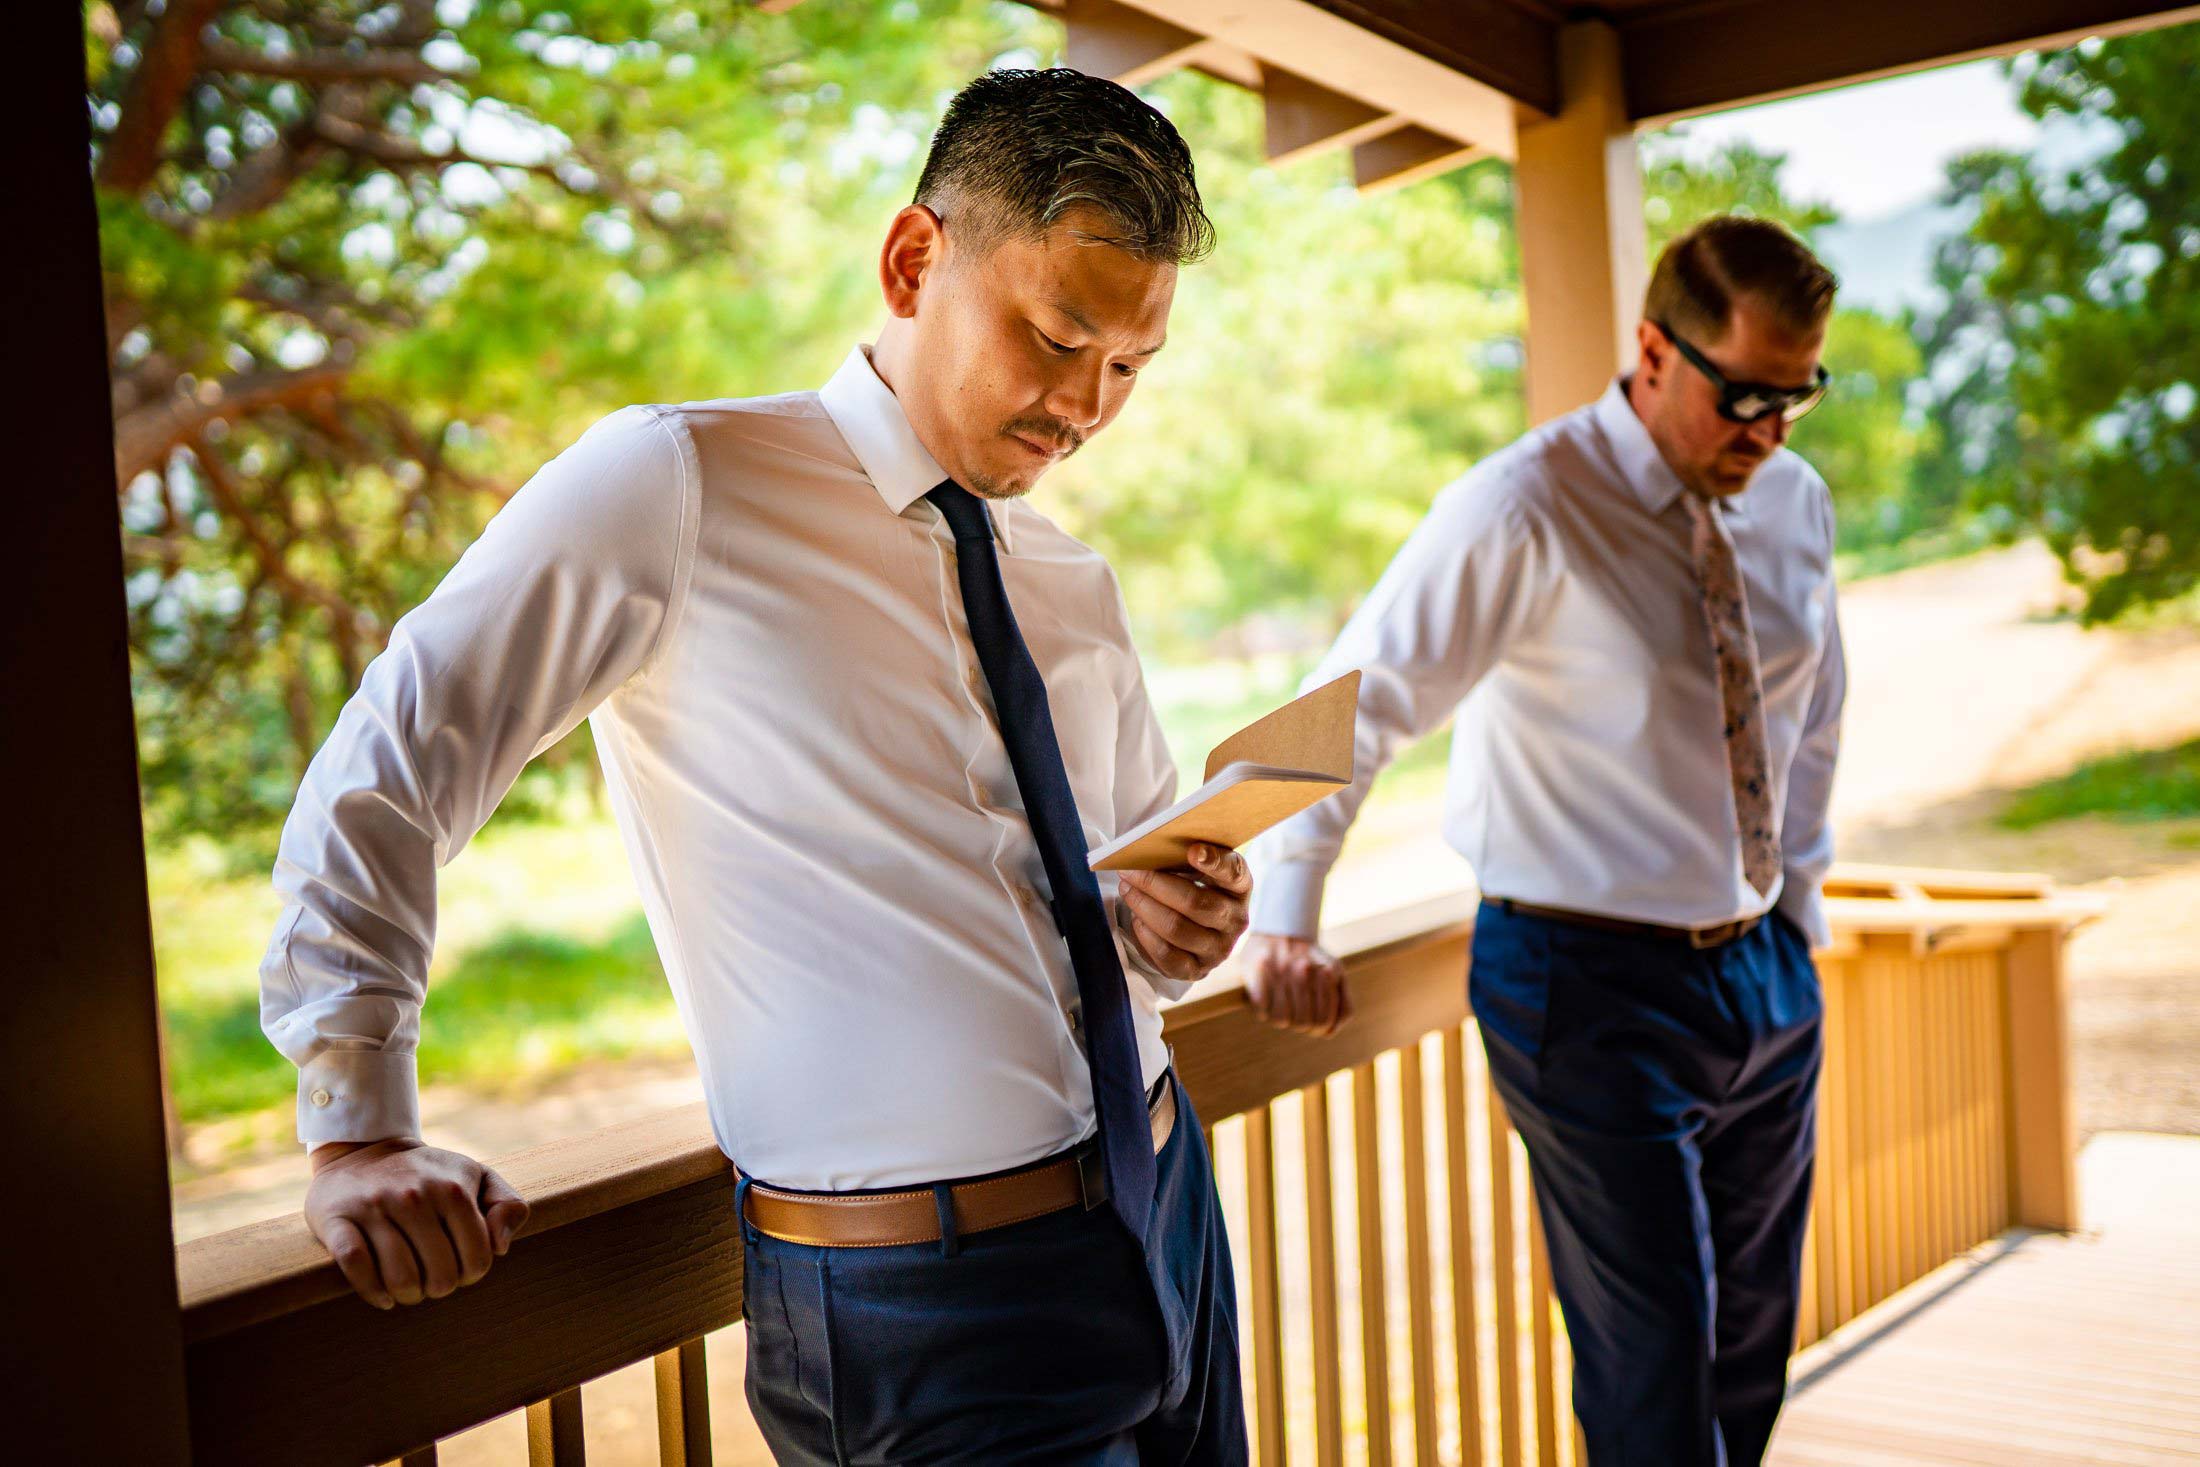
point(1125, 45)
point(93, 1349)
point(2043, 1149)
point(1578, 200)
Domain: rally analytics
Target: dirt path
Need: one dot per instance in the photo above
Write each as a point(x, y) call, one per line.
point(1963, 681)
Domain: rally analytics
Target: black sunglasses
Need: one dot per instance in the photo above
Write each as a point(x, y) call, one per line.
point(1750, 402)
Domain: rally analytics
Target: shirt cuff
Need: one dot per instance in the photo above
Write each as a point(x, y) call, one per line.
point(358, 1095)
point(1135, 959)
point(1287, 899)
point(1805, 906)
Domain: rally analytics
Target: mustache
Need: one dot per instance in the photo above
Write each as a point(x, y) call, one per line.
point(1051, 432)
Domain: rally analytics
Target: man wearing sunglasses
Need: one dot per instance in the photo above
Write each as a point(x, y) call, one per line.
point(1632, 612)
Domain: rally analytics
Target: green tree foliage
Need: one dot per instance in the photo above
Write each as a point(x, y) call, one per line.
point(368, 264)
point(2073, 329)
point(1679, 189)
point(1974, 443)
point(379, 262)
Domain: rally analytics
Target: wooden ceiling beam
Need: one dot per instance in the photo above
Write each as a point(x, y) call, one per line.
point(1503, 44)
point(1317, 42)
point(1687, 58)
point(1225, 62)
point(1407, 155)
point(1305, 118)
point(1126, 45)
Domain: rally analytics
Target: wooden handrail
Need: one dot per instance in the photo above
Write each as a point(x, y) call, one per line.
point(249, 1274)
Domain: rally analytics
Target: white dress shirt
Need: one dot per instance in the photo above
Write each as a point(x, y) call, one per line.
point(1548, 598)
point(758, 611)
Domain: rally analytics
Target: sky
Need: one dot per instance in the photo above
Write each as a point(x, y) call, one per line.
point(1881, 147)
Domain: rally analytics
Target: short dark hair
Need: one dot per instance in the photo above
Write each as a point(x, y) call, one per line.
point(1019, 149)
point(1701, 273)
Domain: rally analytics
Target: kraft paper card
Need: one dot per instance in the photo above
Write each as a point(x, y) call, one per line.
point(1264, 773)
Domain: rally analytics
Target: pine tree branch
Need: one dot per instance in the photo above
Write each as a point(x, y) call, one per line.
point(130, 155)
point(378, 64)
point(222, 487)
point(144, 437)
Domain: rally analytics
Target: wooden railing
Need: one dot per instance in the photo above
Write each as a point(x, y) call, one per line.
point(1393, 1288)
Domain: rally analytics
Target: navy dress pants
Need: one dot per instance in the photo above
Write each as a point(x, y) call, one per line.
point(1666, 1097)
point(1056, 1340)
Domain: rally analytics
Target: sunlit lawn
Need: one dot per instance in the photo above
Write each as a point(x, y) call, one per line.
point(542, 957)
point(2146, 784)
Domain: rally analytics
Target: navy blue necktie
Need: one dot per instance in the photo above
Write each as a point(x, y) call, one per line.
point(1027, 728)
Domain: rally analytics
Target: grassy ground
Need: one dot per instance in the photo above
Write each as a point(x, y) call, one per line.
point(2150, 785)
point(1927, 547)
point(542, 957)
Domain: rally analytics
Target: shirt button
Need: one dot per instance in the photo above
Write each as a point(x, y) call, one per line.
point(321, 1097)
point(1076, 1022)
point(975, 677)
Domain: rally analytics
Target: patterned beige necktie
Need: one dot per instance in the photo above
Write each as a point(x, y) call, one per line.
point(1741, 692)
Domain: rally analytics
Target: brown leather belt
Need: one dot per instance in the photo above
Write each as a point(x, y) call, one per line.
point(1699, 937)
point(891, 1219)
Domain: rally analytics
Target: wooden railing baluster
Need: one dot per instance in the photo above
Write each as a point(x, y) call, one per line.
point(1267, 1286)
point(1834, 1158)
point(1374, 1281)
point(1978, 1118)
point(1420, 1280)
point(1505, 1280)
point(683, 1407)
point(1321, 1249)
point(1465, 1302)
point(554, 1437)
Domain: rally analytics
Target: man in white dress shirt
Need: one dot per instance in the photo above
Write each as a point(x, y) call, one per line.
point(1632, 612)
point(861, 710)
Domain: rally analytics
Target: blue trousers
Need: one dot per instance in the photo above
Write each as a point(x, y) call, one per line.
point(1057, 1340)
point(1667, 1098)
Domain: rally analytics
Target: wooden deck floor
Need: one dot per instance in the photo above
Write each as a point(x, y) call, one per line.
point(2036, 1349)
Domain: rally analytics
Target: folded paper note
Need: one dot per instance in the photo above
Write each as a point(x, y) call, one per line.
point(1266, 772)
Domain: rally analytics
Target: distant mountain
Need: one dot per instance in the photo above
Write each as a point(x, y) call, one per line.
point(1887, 263)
